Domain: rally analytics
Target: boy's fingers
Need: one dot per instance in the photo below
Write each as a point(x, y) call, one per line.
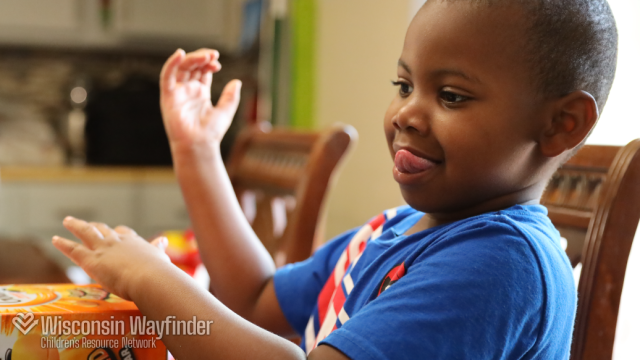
point(195, 62)
point(71, 249)
point(182, 76)
point(208, 71)
point(125, 230)
point(215, 54)
point(161, 242)
point(230, 97)
point(213, 66)
point(105, 230)
point(169, 70)
point(198, 59)
point(206, 78)
point(84, 231)
point(201, 73)
point(196, 75)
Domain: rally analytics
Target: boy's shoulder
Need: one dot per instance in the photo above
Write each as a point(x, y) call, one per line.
point(519, 244)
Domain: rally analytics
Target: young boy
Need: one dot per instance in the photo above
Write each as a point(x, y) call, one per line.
point(493, 96)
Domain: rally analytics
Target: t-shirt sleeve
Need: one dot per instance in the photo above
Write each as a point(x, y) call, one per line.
point(298, 285)
point(475, 295)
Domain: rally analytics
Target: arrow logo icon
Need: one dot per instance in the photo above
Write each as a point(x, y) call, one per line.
point(24, 322)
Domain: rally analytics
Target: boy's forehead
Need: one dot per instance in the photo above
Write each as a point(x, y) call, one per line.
point(466, 36)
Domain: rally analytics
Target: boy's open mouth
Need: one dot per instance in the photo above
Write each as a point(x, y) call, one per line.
point(408, 163)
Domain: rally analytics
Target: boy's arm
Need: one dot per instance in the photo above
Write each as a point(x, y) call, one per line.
point(128, 266)
point(241, 269)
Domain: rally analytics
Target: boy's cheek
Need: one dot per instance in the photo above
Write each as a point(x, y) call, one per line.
point(390, 134)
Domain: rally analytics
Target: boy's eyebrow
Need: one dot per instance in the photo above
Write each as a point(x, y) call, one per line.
point(404, 65)
point(442, 72)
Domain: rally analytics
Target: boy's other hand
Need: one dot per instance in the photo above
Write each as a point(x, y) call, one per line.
point(115, 258)
point(185, 98)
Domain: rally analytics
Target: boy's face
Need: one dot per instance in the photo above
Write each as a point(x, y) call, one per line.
point(467, 104)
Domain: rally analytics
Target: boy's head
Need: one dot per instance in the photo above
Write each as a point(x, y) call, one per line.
point(493, 96)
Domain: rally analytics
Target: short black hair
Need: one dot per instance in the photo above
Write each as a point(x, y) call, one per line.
point(572, 45)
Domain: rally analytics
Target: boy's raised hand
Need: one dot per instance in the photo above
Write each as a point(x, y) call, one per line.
point(115, 258)
point(185, 98)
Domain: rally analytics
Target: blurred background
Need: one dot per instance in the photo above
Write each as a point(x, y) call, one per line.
point(80, 126)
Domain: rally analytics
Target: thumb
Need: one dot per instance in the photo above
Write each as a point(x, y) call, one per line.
point(230, 97)
point(161, 242)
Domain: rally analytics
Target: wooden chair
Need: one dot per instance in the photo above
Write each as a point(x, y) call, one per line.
point(281, 178)
point(22, 262)
point(594, 201)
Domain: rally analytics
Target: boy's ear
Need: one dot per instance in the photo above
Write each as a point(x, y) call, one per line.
point(573, 117)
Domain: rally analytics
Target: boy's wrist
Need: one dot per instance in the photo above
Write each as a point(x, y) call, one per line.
point(146, 276)
point(194, 151)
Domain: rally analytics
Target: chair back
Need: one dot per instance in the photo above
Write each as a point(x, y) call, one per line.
point(281, 178)
point(594, 201)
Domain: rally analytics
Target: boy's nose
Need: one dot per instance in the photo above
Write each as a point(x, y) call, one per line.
point(411, 118)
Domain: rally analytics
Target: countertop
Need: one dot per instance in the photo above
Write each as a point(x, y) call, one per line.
point(95, 174)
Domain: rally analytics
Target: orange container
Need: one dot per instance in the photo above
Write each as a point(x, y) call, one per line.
point(71, 322)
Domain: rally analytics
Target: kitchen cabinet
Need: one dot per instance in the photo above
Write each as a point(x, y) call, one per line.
point(48, 204)
point(128, 24)
point(170, 19)
point(33, 202)
point(42, 22)
point(40, 14)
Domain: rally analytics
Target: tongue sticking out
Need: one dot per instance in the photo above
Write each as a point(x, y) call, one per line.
point(408, 163)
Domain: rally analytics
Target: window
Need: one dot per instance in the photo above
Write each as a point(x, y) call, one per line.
point(620, 120)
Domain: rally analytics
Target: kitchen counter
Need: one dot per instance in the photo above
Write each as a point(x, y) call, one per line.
point(34, 200)
point(86, 174)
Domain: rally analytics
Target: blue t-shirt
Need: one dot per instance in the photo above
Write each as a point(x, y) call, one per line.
point(493, 286)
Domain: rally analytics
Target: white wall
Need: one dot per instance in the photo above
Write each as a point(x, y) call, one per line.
point(414, 6)
point(619, 124)
point(626, 345)
point(359, 45)
point(620, 121)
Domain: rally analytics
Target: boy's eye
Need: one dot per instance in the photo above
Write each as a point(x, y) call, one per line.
point(404, 88)
point(452, 98)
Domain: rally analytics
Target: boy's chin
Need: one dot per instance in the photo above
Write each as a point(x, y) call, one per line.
point(425, 204)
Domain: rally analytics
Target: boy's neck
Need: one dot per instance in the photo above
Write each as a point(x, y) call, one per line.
point(430, 220)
